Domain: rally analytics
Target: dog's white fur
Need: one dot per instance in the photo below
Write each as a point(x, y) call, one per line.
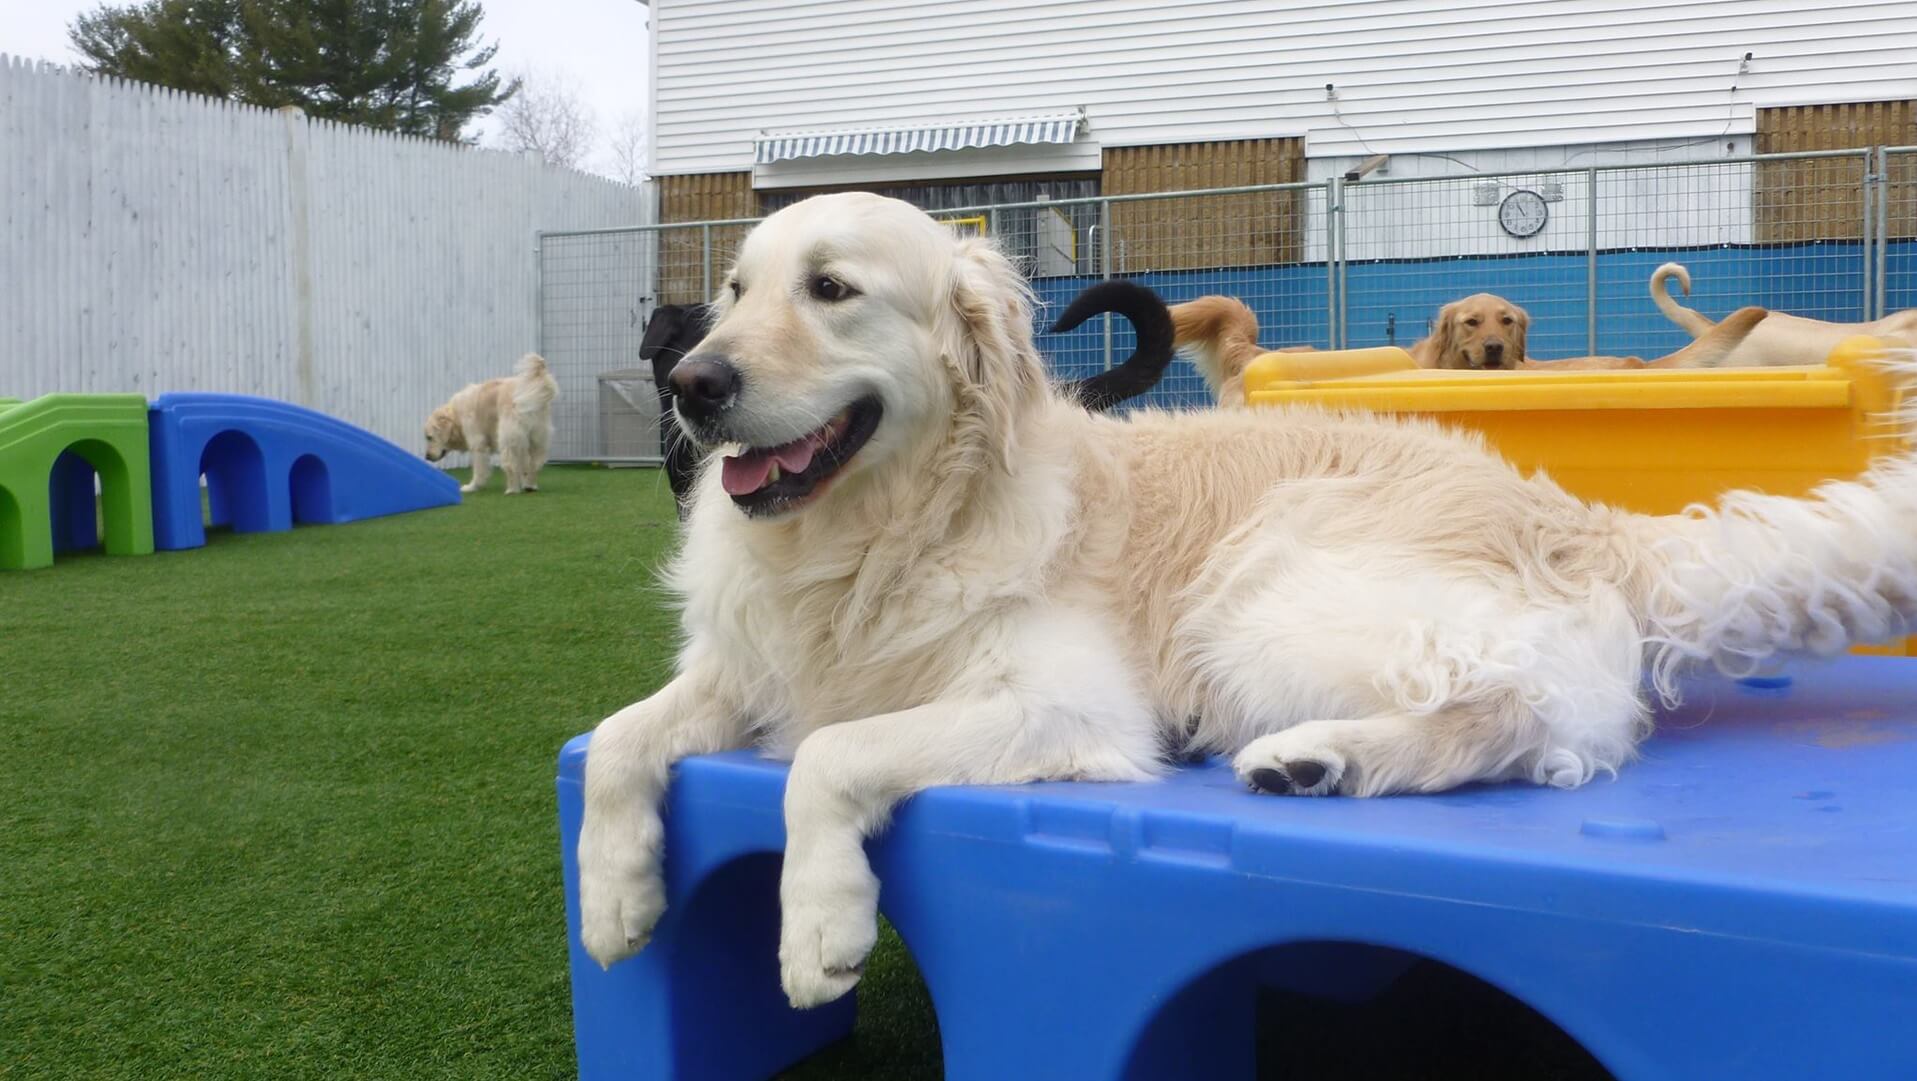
point(510, 416)
point(1002, 587)
point(1781, 339)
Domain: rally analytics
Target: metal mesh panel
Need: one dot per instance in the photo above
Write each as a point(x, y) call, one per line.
point(1897, 211)
point(595, 291)
point(1410, 247)
point(1831, 235)
point(1787, 235)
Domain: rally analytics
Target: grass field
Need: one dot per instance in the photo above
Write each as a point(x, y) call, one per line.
point(283, 807)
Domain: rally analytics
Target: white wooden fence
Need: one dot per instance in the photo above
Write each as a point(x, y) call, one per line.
point(154, 241)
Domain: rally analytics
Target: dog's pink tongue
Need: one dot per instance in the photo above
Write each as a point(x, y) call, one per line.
point(794, 457)
point(745, 474)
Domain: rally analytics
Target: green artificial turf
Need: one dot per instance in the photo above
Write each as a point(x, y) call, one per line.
point(283, 806)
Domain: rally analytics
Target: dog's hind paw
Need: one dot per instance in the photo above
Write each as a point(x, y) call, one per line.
point(1290, 763)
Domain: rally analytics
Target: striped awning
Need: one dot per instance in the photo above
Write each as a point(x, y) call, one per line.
point(1009, 131)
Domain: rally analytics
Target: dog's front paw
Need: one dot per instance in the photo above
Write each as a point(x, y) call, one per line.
point(469, 488)
point(621, 894)
point(828, 930)
point(1295, 762)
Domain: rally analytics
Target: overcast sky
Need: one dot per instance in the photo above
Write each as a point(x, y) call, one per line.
point(599, 46)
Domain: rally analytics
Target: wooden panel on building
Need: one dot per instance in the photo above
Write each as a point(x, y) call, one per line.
point(696, 198)
point(1206, 231)
point(1822, 198)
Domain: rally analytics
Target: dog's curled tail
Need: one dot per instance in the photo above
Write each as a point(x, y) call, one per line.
point(1694, 323)
point(536, 386)
point(1151, 322)
point(1757, 575)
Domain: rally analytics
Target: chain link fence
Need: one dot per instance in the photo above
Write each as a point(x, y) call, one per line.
point(1332, 264)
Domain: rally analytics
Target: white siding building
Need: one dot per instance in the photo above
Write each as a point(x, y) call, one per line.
point(1503, 84)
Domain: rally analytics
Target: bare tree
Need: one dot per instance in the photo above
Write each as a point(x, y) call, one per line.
point(626, 149)
point(547, 117)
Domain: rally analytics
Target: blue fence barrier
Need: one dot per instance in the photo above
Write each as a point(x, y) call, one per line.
point(1822, 280)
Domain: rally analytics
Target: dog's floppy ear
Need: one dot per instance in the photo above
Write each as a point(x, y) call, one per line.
point(1444, 336)
point(1522, 324)
point(996, 372)
point(666, 321)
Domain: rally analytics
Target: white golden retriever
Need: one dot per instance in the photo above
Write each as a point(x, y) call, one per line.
point(917, 565)
point(510, 416)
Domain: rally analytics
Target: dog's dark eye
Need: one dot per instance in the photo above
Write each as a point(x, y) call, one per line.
point(735, 287)
point(1507, 320)
point(828, 288)
point(1471, 322)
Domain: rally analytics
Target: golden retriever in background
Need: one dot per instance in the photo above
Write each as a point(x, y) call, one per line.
point(1708, 351)
point(914, 563)
point(510, 416)
point(1782, 339)
point(1482, 331)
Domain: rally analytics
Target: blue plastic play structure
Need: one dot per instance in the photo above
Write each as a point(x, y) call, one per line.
point(269, 464)
point(1740, 903)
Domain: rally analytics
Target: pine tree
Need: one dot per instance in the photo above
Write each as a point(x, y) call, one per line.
point(391, 64)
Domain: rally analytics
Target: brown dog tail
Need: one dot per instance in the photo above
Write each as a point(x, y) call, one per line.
point(1220, 334)
point(1717, 344)
point(1694, 324)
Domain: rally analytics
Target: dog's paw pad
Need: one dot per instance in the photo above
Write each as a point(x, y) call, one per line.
point(1289, 763)
point(1306, 773)
point(1301, 777)
point(1270, 780)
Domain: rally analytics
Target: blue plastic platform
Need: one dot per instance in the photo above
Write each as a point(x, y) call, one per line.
point(269, 464)
point(1740, 903)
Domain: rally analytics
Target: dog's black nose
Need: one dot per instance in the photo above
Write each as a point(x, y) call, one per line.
point(1493, 354)
point(703, 383)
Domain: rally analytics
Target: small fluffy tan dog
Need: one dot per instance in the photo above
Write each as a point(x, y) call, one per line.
point(1781, 339)
point(510, 416)
point(913, 562)
point(1481, 331)
point(1220, 334)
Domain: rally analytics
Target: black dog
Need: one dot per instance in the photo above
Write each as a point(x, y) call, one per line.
point(671, 333)
point(676, 329)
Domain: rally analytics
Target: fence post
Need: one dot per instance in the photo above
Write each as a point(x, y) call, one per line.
point(1105, 266)
point(539, 293)
point(1869, 192)
point(299, 200)
point(705, 262)
point(1591, 263)
point(1883, 232)
point(1333, 242)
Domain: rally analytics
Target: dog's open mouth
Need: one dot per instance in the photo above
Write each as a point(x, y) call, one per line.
point(772, 480)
